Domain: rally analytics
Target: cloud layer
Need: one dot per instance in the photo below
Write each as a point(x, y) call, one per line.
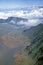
point(26, 14)
point(33, 15)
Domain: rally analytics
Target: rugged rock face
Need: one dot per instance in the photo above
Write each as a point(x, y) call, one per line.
point(35, 49)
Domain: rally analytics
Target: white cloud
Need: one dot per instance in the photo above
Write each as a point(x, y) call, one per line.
point(5, 15)
point(36, 13)
point(2, 15)
point(21, 23)
point(25, 14)
point(13, 22)
point(32, 22)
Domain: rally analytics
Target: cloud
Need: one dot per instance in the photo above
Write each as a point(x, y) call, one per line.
point(32, 16)
point(5, 15)
point(13, 22)
point(32, 22)
point(34, 13)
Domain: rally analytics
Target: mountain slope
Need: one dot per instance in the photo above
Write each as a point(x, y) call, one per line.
point(35, 49)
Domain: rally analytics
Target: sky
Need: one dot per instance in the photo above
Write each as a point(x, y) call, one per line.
point(19, 3)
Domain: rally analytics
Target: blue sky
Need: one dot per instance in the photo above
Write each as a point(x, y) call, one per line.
point(19, 3)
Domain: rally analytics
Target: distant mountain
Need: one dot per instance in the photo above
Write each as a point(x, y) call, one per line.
point(35, 49)
point(22, 22)
point(14, 19)
point(2, 21)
